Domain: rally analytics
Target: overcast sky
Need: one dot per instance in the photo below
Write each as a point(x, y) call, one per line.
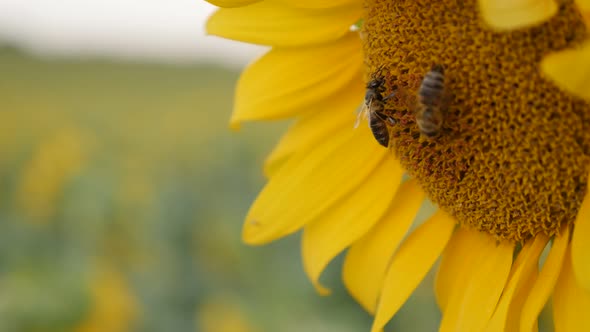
point(164, 30)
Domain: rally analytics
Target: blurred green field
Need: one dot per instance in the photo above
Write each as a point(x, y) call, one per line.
point(121, 202)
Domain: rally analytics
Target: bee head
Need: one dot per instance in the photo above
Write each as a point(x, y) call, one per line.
point(374, 84)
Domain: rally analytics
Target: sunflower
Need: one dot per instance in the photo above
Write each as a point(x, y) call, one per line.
point(114, 307)
point(57, 160)
point(508, 169)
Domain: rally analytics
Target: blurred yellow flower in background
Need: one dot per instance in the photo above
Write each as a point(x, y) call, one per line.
point(222, 314)
point(510, 167)
point(56, 161)
point(112, 158)
point(113, 306)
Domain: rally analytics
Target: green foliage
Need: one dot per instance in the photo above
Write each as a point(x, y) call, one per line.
point(131, 166)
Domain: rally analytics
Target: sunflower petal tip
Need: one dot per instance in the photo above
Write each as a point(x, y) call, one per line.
point(210, 24)
point(314, 276)
point(269, 169)
point(251, 233)
point(231, 3)
point(516, 15)
point(569, 69)
point(234, 124)
point(323, 291)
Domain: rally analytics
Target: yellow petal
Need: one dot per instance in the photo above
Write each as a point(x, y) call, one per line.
point(456, 263)
point(515, 14)
point(471, 309)
point(545, 282)
point(410, 264)
point(286, 82)
point(581, 244)
point(318, 3)
point(571, 302)
point(367, 260)
point(231, 3)
point(570, 70)
point(520, 297)
point(275, 24)
point(328, 117)
point(310, 183)
point(584, 6)
point(524, 267)
point(352, 218)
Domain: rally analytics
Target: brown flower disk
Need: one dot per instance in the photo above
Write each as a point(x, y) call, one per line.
point(512, 157)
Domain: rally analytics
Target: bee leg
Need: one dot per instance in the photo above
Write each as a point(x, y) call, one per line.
point(389, 96)
point(386, 118)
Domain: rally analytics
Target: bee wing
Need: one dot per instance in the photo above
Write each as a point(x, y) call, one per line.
point(362, 114)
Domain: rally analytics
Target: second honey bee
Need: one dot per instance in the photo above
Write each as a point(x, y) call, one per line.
point(373, 109)
point(429, 111)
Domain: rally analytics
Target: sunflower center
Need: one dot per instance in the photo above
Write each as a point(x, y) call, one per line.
point(512, 156)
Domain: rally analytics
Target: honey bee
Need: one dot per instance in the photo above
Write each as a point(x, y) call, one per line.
point(373, 109)
point(429, 112)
